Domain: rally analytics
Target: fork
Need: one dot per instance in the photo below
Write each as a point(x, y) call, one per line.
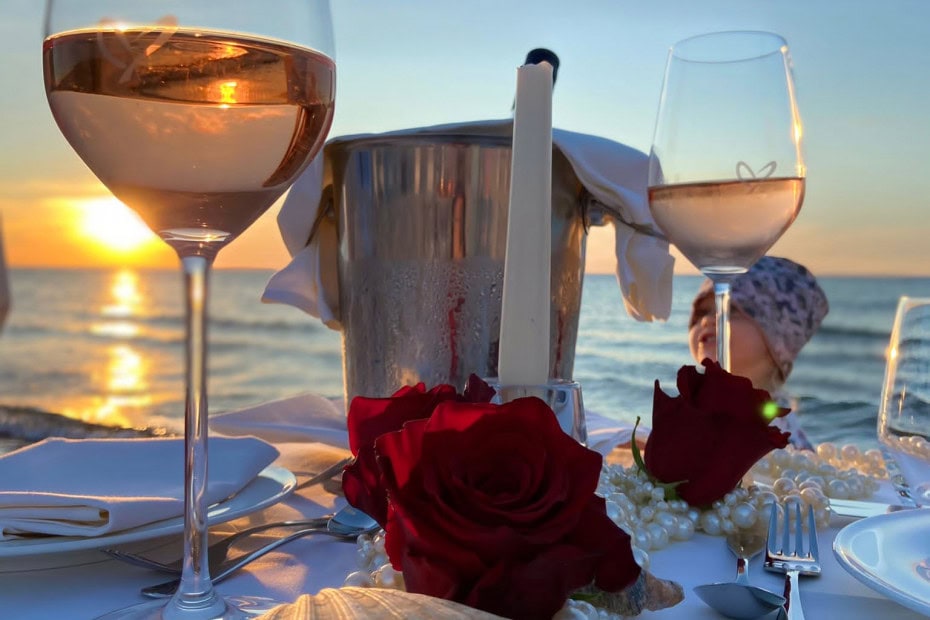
point(784, 557)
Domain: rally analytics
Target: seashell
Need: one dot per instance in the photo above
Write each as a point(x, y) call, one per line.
point(367, 603)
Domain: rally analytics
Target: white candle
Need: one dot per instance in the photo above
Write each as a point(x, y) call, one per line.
point(523, 357)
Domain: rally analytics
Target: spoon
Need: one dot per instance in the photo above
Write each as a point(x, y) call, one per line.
point(347, 524)
point(739, 599)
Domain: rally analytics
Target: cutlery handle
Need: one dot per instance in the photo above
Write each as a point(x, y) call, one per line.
point(742, 571)
point(793, 595)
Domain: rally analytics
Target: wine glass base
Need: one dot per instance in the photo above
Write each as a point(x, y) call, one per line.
point(237, 608)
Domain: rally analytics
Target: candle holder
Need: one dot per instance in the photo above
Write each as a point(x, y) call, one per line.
point(561, 395)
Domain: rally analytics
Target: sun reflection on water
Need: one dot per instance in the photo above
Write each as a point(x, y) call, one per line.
point(124, 379)
point(126, 298)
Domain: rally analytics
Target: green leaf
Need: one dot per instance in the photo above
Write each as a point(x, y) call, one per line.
point(637, 457)
point(668, 488)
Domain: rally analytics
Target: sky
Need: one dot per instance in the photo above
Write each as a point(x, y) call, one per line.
point(862, 71)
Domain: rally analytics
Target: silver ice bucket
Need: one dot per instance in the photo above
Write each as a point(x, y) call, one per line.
point(422, 231)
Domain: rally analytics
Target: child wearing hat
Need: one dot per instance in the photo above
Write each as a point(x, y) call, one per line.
point(775, 309)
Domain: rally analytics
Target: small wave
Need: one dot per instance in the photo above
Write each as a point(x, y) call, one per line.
point(853, 332)
point(814, 405)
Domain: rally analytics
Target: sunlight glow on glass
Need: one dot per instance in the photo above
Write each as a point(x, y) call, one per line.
point(112, 225)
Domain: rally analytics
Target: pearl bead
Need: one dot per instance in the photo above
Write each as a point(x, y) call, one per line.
point(826, 450)
point(358, 579)
point(658, 536)
point(838, 489)
point(666, 520)
point(710, 523)
point(684, 529)
point(743, 515)
point(827, 470)
point(766, 498)
point(387, 577)
point(362, 557)
point(783, 485)
point(642, 539)
point(641, 557)
point(614, 512)
point(646, 513)
point(850, 452)
point(813, 496)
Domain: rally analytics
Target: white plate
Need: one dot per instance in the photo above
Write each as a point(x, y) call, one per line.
point(891, 554)
point(270, 486)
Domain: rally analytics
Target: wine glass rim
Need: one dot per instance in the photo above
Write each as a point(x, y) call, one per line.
point(743, 46)
point(216, 31)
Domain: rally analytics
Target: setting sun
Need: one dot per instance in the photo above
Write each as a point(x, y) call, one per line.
point(112, 225)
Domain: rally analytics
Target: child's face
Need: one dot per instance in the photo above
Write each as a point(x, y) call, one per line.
point(749, 357)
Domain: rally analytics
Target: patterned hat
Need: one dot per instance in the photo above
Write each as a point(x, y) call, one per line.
point(784, 300)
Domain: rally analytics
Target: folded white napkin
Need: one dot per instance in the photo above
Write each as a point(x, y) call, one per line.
point(310, 418)
point(614, 174)
point(303, 418)
point(89, 487)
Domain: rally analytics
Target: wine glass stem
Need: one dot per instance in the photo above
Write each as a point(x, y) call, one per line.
point(722, 301)
point(196, 590)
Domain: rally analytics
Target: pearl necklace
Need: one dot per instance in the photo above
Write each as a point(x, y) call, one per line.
point(640, 509)
point(840, 473)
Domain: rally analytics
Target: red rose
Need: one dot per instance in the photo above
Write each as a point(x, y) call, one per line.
point(711, 434)
point(494, 506)
point(369, 418)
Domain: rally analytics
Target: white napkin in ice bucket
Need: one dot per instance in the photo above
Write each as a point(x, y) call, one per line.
point(614, 174)
point(90, 487)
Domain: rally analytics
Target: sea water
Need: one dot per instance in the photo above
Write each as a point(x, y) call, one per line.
point(106, 346)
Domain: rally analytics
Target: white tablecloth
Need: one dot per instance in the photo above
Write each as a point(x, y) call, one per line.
point(31, 589)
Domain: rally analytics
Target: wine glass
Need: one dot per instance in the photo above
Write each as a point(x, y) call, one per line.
point(198, 115)
point(726, 176)
point(904, 409)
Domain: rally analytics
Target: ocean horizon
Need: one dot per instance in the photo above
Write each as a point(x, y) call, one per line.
point(105, 346)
